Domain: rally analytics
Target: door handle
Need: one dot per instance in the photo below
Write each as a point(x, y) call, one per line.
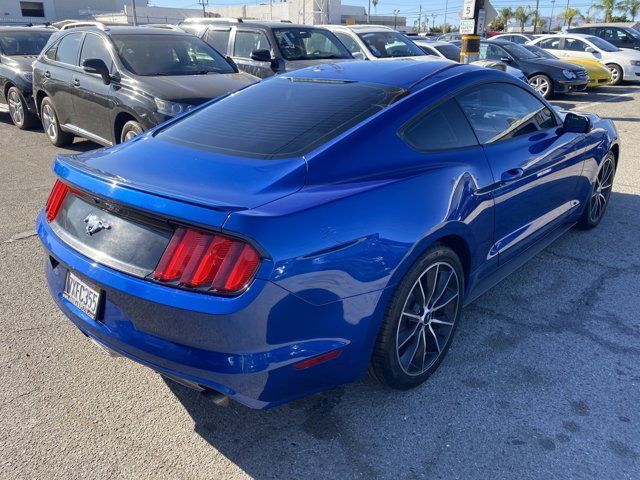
point(47, 74)
point(513, 174)
point(76, 82)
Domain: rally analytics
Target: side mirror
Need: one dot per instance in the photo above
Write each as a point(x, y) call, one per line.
point(506, 60)
point(590, 50)
point(97, 66)
point(261, 55)
point(574, 123)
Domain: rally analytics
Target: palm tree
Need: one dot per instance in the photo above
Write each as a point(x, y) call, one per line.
point(506, 14)
point(541, 23)
point(608, 7)
point(522, 15)
point(632, 7)
point(569, 14)
point(375, 5)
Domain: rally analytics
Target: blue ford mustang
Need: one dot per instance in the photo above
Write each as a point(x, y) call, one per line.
point(290, 236)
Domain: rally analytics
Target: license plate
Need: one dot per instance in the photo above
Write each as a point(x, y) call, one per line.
point(83, 296)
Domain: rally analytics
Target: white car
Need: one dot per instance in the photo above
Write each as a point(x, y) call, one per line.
point(520, 38)
point(622, 63)
point(376, 42)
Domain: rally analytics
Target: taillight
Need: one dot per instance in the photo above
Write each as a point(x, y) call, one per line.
point(56, 197)
point(206, 261)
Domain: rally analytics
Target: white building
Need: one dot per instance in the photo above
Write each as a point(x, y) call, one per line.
point(41, 11)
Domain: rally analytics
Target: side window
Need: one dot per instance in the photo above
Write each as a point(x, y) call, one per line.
point(503, 111)
point(94, 47)
point(519, 40)
point(491, 52)
point(247, 41)
point(67, 51)
point(51, 52)
point(550, 43)
point(218, 39)
point(348, 42)
point(575, 45)
point(441, 128)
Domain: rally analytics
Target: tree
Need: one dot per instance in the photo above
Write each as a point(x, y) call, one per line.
point(632, 7)
point(608, 7)
point(590, 17)
point(497, 25)
point(541, 23)
point(570, 14)
point(522, 15)
point(375, 6)
point(505, 15)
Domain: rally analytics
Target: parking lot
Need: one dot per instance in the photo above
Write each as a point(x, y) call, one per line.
point(542, 381)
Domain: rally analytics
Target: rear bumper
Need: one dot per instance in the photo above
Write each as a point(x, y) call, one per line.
point(243, 347)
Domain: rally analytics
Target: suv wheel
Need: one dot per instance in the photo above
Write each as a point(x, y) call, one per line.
point(131, 129)
point(20, 114)
point(421, 317)
point(51, 125)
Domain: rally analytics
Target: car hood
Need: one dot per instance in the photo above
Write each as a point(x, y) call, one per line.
point(23, 63)
point(158, 167)
point(592, 66)
point(298, 64)
point(549, 62)
point(195, 89)
point(622, 54)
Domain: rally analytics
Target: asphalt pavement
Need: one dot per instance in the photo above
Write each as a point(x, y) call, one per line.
point(542, 380)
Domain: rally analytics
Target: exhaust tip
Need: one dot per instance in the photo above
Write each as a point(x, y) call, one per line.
point(218, 398)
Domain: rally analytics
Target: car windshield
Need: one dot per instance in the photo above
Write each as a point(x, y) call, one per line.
point(540, 52)
point(280, 118)
point(519, 52)
point(449, 51)
point(309, 44)
point(603, 44)
point(151, 55)
point(390, 44)
point(632, 32)
point(23, 43)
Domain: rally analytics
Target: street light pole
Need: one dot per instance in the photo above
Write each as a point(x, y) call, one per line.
point(535, 22)
point(553, 4)
point(135, 14)
point(395, 19)
point(565, 13)
point(204, 3)
point(446, 7)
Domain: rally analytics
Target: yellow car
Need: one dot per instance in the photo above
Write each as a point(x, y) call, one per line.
point(599, 75)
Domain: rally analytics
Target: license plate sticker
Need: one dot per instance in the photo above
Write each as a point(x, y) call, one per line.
point(81, 295)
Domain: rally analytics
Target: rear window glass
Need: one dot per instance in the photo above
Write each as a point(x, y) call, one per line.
point(280, 117)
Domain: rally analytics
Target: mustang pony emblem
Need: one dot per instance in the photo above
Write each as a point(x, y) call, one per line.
point(95, 224)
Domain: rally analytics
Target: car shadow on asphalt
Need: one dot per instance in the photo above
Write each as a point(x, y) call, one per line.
point(500, 388)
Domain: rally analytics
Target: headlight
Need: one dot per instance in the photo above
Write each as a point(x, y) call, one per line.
point(635, 63)
point(569, 75)
point(171, 108)
point(28, 76)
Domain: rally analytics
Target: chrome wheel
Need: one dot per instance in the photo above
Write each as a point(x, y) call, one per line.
point(129, 135)
point(601, 190)
point(16, 109)
point(615, 73)
point(49, 122)
point(427, 318)
point(541, 85)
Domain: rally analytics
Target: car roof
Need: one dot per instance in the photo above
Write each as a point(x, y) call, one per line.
point(361, 28)
point(400, 73)
point(584, 36)
point(128, 30)
point(430, 43)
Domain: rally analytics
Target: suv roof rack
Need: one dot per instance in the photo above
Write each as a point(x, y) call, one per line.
point(98, 25)
point(164, 26)
point(212, 20)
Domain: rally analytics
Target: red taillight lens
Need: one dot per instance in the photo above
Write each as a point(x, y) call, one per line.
point(56, 197)
point(207, 261)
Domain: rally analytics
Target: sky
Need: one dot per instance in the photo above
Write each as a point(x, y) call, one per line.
point(410, 8)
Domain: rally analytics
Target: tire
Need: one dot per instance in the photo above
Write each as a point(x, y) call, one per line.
point(51, 125)
point(412, 342)
point(616, 73)
point(596, 206)
point(130, 130)
point(18, 111)
point(542, 84)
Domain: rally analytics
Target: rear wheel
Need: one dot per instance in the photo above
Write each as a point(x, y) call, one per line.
point(421, 319)
point(600, 192)
point(130, 130)
point(20, 114)
point(616, 73)
point(51, 125)
point(542, 84)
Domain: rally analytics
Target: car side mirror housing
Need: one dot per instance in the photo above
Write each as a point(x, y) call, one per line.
point(262, 55)
point(574, 123)
point(590, 50)
point(97, 66)
point(506, 60)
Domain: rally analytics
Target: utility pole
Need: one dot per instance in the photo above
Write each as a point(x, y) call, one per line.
point(395, 18)
point(471, 27)
point(420, 18)
point(135, 14)
point(204, 3)
point(433, 21)
point(535, 21)
point(565, 13)
point(446, 7)
point(553, 4)
point(369, 13)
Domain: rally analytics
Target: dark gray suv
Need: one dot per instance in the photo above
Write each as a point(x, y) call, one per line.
point(264, 49)
point(109, 84)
